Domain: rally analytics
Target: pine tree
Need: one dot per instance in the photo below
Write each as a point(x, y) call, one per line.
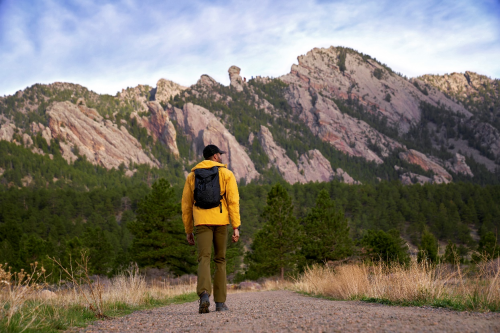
point(488, 247)
point(428, 249)
point(276, 247)
point(160, 240)
point(100, 251)
point(451, 254)
point(326, 232)
point(385, 246)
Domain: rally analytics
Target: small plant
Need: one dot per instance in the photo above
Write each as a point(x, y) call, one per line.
point(378, 73)
point(16, 288)
point(79, 277)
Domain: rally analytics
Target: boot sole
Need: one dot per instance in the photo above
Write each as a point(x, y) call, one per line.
point(204, 307)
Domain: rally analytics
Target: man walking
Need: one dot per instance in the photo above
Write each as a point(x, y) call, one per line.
point(210, 199)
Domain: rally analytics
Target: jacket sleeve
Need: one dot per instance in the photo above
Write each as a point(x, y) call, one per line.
point(187, 204)
point(233, 201)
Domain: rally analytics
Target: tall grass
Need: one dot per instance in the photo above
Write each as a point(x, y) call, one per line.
point(26, 305)
point(477, 288)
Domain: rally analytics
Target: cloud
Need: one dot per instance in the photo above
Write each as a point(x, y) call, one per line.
point(109, 45)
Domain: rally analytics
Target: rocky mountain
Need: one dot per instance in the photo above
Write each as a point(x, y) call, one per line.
point(338, 114)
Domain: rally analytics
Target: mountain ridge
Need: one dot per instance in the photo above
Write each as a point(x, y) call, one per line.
point(335, 105)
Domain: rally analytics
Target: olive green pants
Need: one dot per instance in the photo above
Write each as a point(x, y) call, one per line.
point(206, 235)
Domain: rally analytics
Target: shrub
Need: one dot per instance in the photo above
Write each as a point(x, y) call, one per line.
point(385, 246)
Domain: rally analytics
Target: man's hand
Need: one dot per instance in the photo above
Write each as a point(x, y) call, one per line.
point(190, 238)
point(236, 235)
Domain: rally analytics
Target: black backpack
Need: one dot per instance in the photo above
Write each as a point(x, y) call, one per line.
point(207, 188)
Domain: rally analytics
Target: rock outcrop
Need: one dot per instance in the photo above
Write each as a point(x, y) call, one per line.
point(101, 141)
point(460, 85)
point(415, 157)
point(207, 80)
point(159, 126)
point(410, 178)
point(312, 166)
point(7, 132)
point(44, 131)
point(137, 96)
point(458, 165)
point(315, 167)
point(165, 89)
point(203, 128)
point(345, 178)
point(235, 78)
point(278, 158)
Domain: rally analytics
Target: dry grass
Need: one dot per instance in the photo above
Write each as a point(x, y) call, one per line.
point(128, 288)
point(15, 289)
point(476, 289)
point(26, 304)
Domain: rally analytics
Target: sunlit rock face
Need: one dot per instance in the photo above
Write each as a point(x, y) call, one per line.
point(311, 167)
point(203, 128)
point(100, 140)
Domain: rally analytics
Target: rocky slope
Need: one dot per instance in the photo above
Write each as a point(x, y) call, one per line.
point(311, 167)
point(350, 102)
point(159, 126)
point(99, 139)
point(203, 128)
point(465, 86)
point(365, 80)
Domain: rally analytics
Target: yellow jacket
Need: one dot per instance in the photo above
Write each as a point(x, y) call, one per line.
point(230, 200)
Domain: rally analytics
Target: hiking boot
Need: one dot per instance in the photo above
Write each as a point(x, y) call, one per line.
point(220, 306)
point(204, 302)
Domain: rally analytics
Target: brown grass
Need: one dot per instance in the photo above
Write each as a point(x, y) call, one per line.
point(15, 289)
point(476, 289)
point(26, 304)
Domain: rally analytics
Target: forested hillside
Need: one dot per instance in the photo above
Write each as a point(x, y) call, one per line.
point(76, 166)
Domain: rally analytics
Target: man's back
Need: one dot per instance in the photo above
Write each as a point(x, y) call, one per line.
point(213, 216)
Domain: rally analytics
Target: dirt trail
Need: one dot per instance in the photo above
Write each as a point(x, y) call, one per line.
point(285, 311)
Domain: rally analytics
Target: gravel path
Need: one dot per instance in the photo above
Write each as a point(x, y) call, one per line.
point(285, 311)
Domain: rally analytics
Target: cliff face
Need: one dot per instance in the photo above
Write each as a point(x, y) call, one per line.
point(203, 128)
point(311, 167)
point(159, 126)
point(365, 81)
point(415, 157)
point(347, 134)
point(100, 140)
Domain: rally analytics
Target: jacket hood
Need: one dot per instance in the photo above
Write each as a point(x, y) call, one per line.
point(208, 164)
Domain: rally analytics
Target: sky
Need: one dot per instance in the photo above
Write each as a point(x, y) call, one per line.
point(110, 45)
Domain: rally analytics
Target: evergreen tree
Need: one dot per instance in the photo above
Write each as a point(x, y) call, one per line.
point(488, 247)
point(385, 246)
point(428, 249)
point(451, 254)
point(160, 240)
point(100, 251)
point(326, 232)
point(276, 247)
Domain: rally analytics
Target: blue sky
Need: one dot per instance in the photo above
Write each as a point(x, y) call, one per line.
point(110, 45)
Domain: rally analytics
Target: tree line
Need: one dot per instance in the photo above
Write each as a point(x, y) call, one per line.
point(311, 223)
